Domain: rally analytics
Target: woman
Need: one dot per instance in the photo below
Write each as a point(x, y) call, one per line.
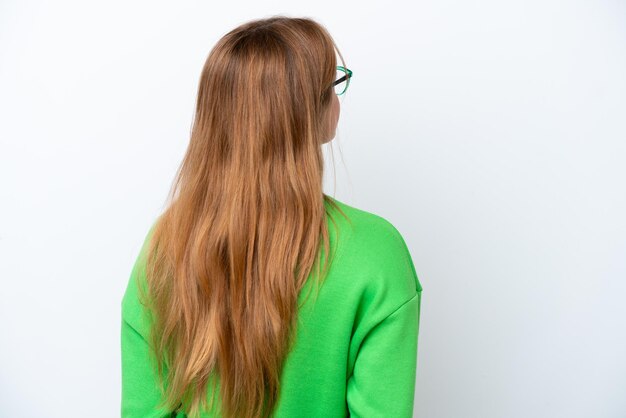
point(216, 318)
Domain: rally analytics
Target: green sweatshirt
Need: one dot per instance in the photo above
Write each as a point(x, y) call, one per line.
point(356, 345)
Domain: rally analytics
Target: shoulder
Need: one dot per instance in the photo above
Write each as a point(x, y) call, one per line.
point(372, 244)
point(369, 232)
point(133, 309)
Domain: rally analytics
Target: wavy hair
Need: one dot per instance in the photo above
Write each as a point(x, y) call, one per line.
point(245, 224)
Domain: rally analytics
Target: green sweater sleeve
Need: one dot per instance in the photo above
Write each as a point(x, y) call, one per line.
point(383, 379)
point(140, 393)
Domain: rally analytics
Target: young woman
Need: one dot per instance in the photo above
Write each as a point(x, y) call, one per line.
point(216, 318)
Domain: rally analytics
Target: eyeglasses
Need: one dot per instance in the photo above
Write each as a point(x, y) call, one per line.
point(341, 85)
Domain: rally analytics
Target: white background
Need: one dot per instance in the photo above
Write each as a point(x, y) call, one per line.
point(490, 133)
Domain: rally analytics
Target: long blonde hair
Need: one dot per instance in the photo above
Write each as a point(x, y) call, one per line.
point(246, 219)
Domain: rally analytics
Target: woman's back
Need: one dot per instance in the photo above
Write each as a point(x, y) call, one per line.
point(355, 346)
